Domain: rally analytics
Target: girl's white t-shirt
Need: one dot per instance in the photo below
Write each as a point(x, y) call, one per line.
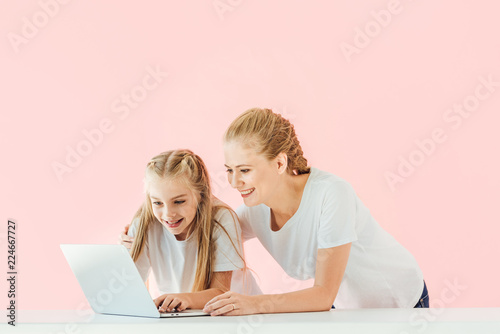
point(174, 262)
point(379, 273)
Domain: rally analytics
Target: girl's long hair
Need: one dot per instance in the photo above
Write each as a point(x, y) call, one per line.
point(187, 165)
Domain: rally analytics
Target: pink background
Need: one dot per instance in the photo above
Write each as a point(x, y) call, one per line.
point(356, 115)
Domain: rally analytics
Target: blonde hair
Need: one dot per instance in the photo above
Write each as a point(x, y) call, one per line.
point(269, 134)
point(187, 165)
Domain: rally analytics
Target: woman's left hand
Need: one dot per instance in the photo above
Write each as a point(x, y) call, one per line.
point(232, 303)
point(173, 301)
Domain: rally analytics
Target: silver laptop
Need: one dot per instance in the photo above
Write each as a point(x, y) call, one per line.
point(111, 282)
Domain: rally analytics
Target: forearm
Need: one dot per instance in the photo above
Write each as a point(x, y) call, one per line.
point(200, 298)
point(312, 299)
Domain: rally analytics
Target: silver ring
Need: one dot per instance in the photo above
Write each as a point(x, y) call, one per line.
point(234, 308)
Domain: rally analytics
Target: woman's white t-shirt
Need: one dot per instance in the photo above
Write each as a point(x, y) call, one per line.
point(174, 262)
point(379, 273)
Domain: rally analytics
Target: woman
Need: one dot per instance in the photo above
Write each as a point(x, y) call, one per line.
point(187, 237)
point(313, 224)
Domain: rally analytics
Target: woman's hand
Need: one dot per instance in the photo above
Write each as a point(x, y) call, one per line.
point(232, 303)
point(124, 239)
point(169, 302)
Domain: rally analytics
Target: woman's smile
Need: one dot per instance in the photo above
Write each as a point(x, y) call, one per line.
point(247, 192)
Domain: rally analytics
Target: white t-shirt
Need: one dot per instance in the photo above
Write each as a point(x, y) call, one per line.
point(174, 262)
point(379, 273)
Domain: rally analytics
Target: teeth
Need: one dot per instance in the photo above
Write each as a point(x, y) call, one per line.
point(246, 192)
point(172, 223)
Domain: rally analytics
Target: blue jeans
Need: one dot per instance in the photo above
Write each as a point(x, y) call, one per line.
point(423, 302)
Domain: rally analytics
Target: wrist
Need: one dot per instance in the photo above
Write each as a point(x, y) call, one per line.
point(187, 297)
point(261, 304)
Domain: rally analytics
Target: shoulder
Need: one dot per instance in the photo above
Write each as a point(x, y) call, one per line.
point(132, 230)
point(318, 176)
point(226, 220)
point(328, 184)
point(224, 214)
point(227, 226)
point(154, 228)
point(242, 210)
point(241, 214)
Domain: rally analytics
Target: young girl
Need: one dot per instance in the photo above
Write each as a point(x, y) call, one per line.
point(313, 224)
point(187, 237)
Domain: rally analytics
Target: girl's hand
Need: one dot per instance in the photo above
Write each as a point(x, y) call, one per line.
point(169, 302)
point(124, 239)
point(232, 303)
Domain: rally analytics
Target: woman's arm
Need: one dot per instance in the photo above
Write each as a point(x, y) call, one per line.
point(330, 268)
point(221, 282)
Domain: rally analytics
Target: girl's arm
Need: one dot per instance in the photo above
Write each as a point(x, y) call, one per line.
point(221, 282)
point(330, 268)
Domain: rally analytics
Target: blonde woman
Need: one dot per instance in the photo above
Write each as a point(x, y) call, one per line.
point(313, 224)
point(189, 239)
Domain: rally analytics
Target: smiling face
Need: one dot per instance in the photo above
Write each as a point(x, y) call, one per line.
point(173, 204)
point(252, 174)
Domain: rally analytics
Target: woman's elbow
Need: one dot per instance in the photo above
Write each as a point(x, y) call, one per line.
point(326, 300)
point(327, 306)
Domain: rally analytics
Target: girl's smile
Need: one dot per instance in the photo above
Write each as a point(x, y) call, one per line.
point(173, 223)
point(174, 205)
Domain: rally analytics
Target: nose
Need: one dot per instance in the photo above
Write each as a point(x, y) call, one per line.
point(169, 214)
point(234, 180)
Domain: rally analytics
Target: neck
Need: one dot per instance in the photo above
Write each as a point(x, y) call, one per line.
point(287, 196)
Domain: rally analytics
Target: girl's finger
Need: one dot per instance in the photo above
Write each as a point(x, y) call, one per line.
point(174, 304)
point(158, 300)
point(166, 303)
point(182, 306)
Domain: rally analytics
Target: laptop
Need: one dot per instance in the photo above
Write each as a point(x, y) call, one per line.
point(111, 282)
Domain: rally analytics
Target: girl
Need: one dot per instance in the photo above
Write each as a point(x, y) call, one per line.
point(313, 224)
point(187, 237)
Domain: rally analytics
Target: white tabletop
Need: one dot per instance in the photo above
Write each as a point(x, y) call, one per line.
point(373, 321)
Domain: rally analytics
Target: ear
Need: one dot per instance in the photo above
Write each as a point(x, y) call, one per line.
point(282, 162)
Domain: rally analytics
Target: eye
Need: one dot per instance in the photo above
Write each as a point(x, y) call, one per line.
point(179, 202)
point(229, 171)
point(156, 203)
point(244, 170)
